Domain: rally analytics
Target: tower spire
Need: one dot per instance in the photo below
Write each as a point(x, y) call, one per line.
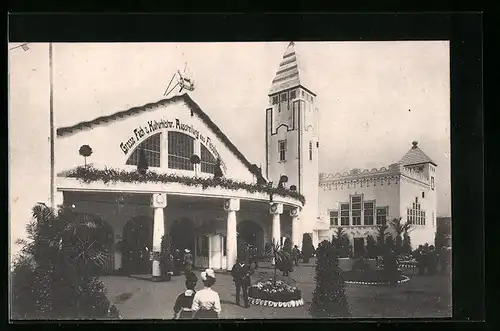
point(292, 43)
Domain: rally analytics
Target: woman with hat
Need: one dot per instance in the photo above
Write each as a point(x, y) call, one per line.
point(188, 261)
point(182, 307)
point(206, 302)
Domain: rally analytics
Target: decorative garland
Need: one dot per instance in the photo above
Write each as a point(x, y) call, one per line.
point(107, 175)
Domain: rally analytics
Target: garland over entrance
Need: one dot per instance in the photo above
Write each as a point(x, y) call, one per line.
point(90, 174)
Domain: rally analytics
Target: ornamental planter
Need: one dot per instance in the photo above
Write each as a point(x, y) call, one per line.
point(276, 295)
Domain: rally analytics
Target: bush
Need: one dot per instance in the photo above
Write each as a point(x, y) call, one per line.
point(342, 243)
point(361, 264)
point(389, 243)
point(329, 297)
point(55, 274)
point(287, 246)
point(307, 247)
point(371, 247)
point(166, 260)
point(406, 249)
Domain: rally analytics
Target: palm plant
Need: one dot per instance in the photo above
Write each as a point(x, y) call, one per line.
point(381, 235)
point(55, 273)
point(342, 243)
point(400, 229)
point(277, 253)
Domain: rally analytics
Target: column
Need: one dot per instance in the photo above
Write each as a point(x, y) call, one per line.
point(296, 238)
point(231, 206)
point(276, 209)
point(158, 202)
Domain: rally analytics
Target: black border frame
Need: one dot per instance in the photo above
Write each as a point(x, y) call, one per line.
point(464, 30)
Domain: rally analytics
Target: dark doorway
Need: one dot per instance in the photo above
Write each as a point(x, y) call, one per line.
point(251, 233)
point(182, 234)
point(359, 247)
point(138, 242)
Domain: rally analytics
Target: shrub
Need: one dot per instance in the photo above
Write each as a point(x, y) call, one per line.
point(287, 246)
point(361, 264)
point(389, 243)
point(166, 260)
point(55, 274)
point(307, 247)
point(406, 244)
point(371, 247)
point(342, 243)
point(329, 297)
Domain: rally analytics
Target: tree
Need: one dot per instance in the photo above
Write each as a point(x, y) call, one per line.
point(329, 297)
point(54, 276)
point(406, 244)
point(381, 236)
point(307, 247)
point(371, 247)
point(282, 260)
point(389, 243)
point(400, 229)
point(342, 243)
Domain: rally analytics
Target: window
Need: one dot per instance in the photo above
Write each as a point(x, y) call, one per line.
point(283, 97)
point(334, 217)
point(368, 213)
point(310, 151)
point(282, 149)
point(276, 100)
point(382, 213)
point(303, 93)
point(423, 195)
point(432, 183)
point(151, 150)
point(293, 94)
point(180, 150)
point(224, 245)
point(415, 215)
point(207, 161)
point(356, 210)
point(344, 214)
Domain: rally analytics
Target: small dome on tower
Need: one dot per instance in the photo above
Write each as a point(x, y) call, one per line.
point(414, 143)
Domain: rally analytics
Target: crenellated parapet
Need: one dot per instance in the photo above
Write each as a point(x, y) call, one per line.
point(415, 174)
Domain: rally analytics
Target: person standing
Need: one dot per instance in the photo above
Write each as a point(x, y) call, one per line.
point(177, 262)
point(206, 302)
point(188, 261)
point(241, 278)
point(295, 255)
point(184, 302)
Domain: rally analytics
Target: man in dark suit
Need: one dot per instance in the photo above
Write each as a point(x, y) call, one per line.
point(241, 276)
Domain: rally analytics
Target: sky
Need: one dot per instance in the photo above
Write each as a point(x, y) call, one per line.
point(375, 98)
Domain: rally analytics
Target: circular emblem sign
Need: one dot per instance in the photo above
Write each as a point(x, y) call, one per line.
point(159, 198)
point(226, 204)
point(274, 208)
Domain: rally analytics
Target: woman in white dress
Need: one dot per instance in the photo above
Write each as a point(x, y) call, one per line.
point(206, 302)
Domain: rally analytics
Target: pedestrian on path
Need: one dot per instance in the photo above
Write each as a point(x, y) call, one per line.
point(184, 302)
point(295, 255)
point(188, 261)
point(241, 278)
point(206, 302)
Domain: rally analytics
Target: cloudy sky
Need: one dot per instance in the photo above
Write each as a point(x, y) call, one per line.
point(375, 98)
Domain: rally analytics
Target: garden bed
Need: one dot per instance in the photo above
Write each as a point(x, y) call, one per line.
point(371, 277)
point(279, 294)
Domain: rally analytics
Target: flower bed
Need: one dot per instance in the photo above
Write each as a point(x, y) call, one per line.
point(371, 277)
point(279, 295)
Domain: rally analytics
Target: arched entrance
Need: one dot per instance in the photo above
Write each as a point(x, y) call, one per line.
point(251, 233)
point(95, 236)
point(137, 245)
point(182, 235)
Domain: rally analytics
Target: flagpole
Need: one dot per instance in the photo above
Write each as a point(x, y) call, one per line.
point(51, 120)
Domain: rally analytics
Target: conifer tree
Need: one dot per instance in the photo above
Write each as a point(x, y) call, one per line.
point(307, 247)
point(329, 297)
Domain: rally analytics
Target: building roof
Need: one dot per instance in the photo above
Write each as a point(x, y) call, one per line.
point(193, 106)
point(291, 72)
point(415, 156)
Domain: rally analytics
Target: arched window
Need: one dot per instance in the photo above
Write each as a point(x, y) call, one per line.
point(151, 150)
point(207, 161)
point(180, 150)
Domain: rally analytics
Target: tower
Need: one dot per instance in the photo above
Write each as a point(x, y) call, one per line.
point(292, 135)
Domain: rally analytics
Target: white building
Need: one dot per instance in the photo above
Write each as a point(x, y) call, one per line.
point(182, 200)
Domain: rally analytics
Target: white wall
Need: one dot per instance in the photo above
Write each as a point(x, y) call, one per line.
point(105, 140)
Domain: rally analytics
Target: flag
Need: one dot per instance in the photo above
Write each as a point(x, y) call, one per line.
point(25, 47)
